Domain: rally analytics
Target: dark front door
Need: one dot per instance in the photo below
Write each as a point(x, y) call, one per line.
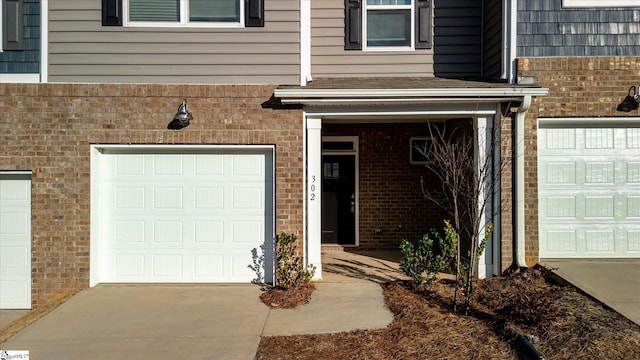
point(338, 199)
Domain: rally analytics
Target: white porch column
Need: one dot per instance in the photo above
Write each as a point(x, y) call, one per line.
point(485, 165)
point(314, 194)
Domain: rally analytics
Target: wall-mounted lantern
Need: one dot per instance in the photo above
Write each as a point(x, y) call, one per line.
point(630, 102)
point(181, 118)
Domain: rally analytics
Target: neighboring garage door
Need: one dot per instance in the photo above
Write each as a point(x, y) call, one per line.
point(589, 190)
point(15, 241)
point(193, 216)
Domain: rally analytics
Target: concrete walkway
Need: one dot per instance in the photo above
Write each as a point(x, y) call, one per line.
point(616, 283)
point(201, 321)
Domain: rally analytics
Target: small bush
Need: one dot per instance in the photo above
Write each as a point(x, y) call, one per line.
point(290, 269)
point(429, 256)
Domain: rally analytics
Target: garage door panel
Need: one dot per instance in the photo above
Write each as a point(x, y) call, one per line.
point(15, 241)
point(208, 232)
point(633, 240)
point(589, 198)
point(185, 218)
point(128, 267)
point(208, 265)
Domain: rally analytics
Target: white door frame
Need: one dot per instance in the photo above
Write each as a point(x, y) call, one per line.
point(356, 153)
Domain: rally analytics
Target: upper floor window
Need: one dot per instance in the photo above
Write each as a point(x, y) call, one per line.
point(601, 3)
point(183, 13)
point(387, 25)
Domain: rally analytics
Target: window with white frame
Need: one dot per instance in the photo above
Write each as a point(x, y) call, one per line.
point(184, 12)
point(388, 23)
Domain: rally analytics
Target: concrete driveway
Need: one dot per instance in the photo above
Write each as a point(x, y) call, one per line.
point(200, 321)
point(136, 322)
point(614, 282)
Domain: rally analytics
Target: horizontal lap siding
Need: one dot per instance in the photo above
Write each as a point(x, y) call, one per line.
point(492, 41)
point(456, 48)
point(457, 38)
point(545, 28)
point(82, 50)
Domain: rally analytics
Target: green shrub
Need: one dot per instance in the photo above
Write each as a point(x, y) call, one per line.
point(290, 269)
point(429, 256)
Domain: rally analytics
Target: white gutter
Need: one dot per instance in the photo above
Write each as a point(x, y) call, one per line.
point(519, 222)
point(305, 42)
point(387, 101)
point(294, 95)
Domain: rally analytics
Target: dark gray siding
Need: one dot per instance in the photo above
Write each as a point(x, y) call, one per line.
point(27, 60)
point(492, 40)
point(457, 38)
point(547, 29)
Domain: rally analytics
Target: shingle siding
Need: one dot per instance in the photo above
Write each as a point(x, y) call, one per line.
point(25, 61)
point(545, 29)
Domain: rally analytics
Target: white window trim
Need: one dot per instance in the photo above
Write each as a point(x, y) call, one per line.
point(184, 15)
point(365, 10)
point(600, 3)
point(422, 160)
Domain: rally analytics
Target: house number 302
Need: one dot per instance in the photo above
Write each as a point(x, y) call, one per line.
point(312, 188)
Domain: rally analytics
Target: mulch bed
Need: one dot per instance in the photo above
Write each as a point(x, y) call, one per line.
point(287, 298)
point(561, 322)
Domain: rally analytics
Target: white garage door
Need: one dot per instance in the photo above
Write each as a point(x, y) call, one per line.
point(589, 191)
point(15, 241)
point(185, 217)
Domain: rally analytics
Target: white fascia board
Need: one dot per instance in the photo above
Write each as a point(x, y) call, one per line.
point(296, 95)
point(390, 101)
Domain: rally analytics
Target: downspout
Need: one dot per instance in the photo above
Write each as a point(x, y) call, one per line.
point(509, 44)
point(519, 222)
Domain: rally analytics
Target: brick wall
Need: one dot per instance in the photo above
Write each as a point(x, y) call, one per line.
point(579, 86)
point(47, 129)
point(390, 195)
point(506, 185)
point(589, 86)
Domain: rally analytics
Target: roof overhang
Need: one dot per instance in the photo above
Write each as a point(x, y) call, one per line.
point(431, 90)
